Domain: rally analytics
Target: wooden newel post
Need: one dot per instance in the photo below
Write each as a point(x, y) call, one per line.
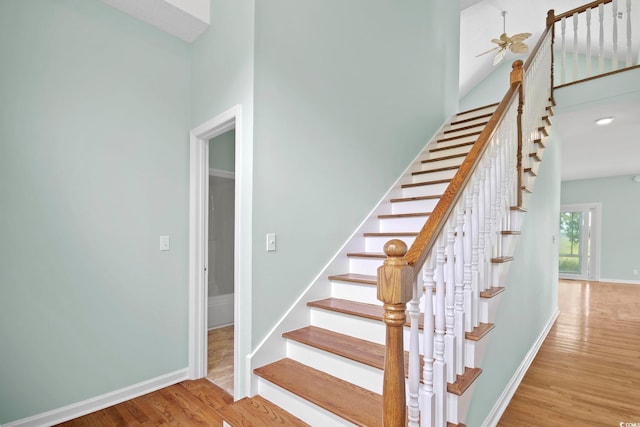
point(395, 290)
point(517, 77)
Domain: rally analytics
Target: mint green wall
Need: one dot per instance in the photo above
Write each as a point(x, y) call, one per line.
point(620, 200)
point(222, 151)
point(222, 74)
point(530, 298)
point(346, 94)
point(94, 167)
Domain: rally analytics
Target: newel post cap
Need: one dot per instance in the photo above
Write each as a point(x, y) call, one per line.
point(395, 276)
point(517, 72)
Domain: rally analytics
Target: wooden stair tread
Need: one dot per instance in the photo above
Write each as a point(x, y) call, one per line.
point(420, 184)
point(449, 168)
point(547, 120)
point(359, 350)
point(544, 130)
point(415, 199)
point(526, 189)
point(479, 331)
point(367, 353)
point(453, 156)
point(518, 209)
point(467, 127)
point(550, 110)
point(510, 233)
point(404, 215)
point(258, 411)
point(478, 108)
point(501, 259)
point(355, 278)
point(470, 119)
point(464, 381)
point(451, 147)
point(453, 138)
point(355, 404)
point(535, 157)
point(530, 172)
point(359, 309)
point(353, 308)
point(392, 234)
point(491, 292)
point(541, 142)
point(367, 255)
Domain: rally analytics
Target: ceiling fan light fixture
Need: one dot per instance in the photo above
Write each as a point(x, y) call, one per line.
point(604, 121)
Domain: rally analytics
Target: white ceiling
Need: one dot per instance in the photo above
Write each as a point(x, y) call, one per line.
point(588, 151)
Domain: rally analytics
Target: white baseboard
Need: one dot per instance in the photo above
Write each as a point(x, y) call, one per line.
point(504, 399)
point(85, 407)
point(220, 311)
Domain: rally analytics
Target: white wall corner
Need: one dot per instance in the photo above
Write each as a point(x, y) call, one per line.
point(185, 19)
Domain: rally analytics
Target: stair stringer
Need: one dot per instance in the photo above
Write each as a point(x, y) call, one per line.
point(273, 346)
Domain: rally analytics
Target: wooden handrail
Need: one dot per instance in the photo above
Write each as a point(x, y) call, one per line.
point(581, 9)
point(426, 238)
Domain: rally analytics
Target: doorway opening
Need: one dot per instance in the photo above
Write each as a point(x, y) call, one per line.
point(199, 246)
point(220, 250)
point(579, 242)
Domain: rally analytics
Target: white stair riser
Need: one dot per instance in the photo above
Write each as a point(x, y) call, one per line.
point(425, 190)
point(477, 121)
point(301, 408)
point(414, 206)
point(450, 152)
point(424, 177)
point(450, 142)
point(488, 308)
point(457, 131)
point(474, 352)
point(358, 292)
point(458, 406)
point(441, 163)
point(359, 374)
point(358, 327)
point(388, 225)
point(364, 265)
point(475, 113)
point(376, 244)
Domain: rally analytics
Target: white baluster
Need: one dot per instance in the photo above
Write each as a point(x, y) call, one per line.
point(413, 412)
point(629, 59)
point(588, 42)
point(575, 46)
point(481, 230)
point(459, 297)
point(601, 39)
point(439, 364)
point(475, 250)
point(469, 307)
point(427, 397)
point(614, 10)
point(563, 58)
point(450, 337)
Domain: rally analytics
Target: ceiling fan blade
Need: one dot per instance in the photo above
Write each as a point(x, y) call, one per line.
point(489, 51)
point(519, 47)
point(520, 37)
point(496, 41)
point(499, 57)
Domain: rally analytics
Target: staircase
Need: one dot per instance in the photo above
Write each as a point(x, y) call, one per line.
point(332, 374)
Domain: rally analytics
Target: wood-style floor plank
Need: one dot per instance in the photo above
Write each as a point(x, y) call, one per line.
point(220, 357)
point(586, 372)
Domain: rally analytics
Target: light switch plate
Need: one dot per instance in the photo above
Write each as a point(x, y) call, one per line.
point(165, 243)
point(271, 242)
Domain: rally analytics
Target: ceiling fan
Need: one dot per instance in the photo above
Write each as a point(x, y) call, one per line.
point(514, 43)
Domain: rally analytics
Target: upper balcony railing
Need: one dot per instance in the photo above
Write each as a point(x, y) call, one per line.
point(595, 39)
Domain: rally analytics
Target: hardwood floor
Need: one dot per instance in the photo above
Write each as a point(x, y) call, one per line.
point(189, 403)
point(585, 374)
point(587, 370)
point(220, 357)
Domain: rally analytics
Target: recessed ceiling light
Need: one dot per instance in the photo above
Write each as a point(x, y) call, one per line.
point(604, 121)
